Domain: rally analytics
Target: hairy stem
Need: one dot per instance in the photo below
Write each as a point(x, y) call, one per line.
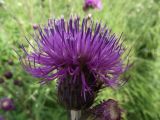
point(75, 115)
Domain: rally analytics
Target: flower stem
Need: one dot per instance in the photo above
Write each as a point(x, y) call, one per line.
point(75, 115)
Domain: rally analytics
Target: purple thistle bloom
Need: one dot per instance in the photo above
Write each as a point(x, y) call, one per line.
point(83, 57)
point(92, 4)
point(6, 104)
point(107, 110)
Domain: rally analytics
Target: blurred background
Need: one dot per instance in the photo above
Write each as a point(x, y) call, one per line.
point(139, 20)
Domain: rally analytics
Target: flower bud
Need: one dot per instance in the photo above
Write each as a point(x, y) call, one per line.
point(6, 104)
point(35, 26)
point(18, 82)
point(92, 4)
point(107, 110)
point(8, 75)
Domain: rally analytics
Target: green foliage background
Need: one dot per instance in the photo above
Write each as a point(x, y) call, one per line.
point(139, 20)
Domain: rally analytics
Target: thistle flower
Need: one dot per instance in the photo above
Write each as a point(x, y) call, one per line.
point(83, 57)
point(8, 75)
point(92, 4)
point(6, 104)
point(35, 26)
point(107, 110)
point(18, 82)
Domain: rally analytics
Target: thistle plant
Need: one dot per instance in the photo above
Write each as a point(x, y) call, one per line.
point(94, 4)
point(8, 75)
point(6, 104)
point(83, 57)
point(107, 110)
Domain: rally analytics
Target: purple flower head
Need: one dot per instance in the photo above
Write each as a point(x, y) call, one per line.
point(107, 110)
point(83, 57)
point(6, 104)
point(92, 4)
